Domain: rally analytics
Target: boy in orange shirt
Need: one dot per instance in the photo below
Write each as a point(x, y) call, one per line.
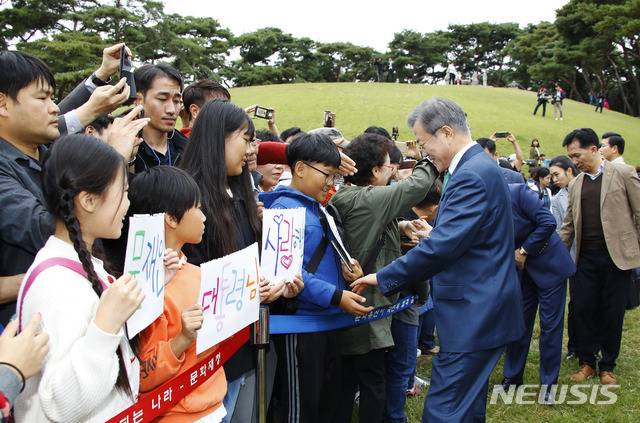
point(167, 347)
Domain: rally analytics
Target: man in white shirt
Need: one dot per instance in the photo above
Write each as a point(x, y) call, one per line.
point(612, 147)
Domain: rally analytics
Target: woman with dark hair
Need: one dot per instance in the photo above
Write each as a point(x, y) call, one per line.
point(216, 158)
point(541, 184)
point(563, 171)
point(91, 373)
point(534, 153)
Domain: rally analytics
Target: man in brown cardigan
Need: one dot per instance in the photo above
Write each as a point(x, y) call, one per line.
point(604, 216)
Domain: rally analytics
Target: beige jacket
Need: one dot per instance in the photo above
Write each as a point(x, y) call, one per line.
point(619, 212)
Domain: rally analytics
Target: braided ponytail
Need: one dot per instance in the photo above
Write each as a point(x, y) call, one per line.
point(75, 235)
point(78, 163)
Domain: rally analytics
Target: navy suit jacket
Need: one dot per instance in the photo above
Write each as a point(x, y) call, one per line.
point(511, 176)
point(548, 260)
point(469, 258)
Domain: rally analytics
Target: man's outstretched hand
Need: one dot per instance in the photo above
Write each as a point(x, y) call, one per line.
point(361, 284)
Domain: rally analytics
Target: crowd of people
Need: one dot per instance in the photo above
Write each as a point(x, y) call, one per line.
point(446, 222)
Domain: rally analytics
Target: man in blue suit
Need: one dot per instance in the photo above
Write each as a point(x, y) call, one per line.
point(469, 258)
point(544, 264)
point(509, 175)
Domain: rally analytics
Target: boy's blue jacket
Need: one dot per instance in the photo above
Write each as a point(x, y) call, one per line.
point(320, 286)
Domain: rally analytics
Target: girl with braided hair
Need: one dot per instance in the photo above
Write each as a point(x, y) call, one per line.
point(90, 373)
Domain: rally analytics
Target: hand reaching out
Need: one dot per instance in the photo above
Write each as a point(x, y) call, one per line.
point(347, 166)
point(361, 284)
point(27, 349)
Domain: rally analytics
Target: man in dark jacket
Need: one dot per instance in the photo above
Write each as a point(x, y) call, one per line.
point(544, 265)
point(159, 90)
point(543, 98)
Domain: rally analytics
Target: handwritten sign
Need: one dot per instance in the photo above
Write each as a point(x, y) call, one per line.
point(282, 243)
point(229, 296)
point(145, 261)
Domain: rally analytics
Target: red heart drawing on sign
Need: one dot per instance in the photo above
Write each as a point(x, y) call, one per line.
point(286, 261)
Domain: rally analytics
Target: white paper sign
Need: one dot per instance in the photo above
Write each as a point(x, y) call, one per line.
point(145, 260)
point(282, 244)
point(334, 230)
point(229, 296)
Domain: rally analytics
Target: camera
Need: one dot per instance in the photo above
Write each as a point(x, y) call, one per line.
point(503, 134)
point(263, 113)
point(329, 119)
point(394, 133)
point(126, 71)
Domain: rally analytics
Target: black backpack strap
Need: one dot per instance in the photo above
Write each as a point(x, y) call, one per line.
point(317, 255)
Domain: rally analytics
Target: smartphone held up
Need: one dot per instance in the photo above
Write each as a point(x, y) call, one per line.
point(263, 113)
point(126, 71)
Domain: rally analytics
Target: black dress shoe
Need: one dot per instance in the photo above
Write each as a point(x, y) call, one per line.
point(508, 381)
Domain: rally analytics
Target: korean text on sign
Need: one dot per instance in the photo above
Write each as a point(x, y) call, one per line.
point(282, 243)
point(145, 261)
point(229, 296)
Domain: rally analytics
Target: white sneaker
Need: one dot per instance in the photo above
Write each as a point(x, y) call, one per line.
point(421, 382)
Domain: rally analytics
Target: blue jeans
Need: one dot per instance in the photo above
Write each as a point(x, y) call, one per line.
point(233, 391)
point(401, 365)
point(426, 337)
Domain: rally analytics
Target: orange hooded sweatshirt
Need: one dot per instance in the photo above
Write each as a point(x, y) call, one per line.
point(158, 364)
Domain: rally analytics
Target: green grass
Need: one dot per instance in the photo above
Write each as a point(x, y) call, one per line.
point(626, 409)
point(358, 106)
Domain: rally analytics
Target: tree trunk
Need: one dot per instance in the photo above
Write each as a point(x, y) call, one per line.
point(627, 107)
point(635, 110)
point(587, 79)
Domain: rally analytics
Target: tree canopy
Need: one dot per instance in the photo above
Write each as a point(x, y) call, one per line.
point(593, 46)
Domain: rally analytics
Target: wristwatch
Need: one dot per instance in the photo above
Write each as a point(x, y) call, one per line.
point(522, 251)
point(97, 81)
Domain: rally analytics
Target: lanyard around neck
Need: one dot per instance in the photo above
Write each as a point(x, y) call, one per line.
point(168, 155)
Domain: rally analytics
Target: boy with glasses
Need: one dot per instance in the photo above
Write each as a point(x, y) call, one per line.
point(307, 362)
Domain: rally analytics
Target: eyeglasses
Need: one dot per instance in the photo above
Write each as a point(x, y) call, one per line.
point(390, 166)
point(422, 145)
point(329, 178)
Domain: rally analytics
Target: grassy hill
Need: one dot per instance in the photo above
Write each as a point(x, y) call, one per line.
point(489, 109)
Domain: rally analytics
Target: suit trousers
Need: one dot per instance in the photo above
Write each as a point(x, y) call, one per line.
point(551, 301)
point(459, 386)
point(600, 294)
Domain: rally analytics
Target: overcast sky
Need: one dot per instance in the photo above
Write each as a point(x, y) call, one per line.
point(367, 23)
